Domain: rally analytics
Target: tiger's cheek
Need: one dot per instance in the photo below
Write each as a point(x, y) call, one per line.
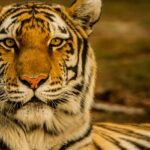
point(58, 69)
point(61, 60)
point(9, 71)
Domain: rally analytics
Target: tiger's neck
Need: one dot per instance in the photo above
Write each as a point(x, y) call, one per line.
point(76, 135)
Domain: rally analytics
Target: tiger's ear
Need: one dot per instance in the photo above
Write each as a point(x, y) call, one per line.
point(86, 12)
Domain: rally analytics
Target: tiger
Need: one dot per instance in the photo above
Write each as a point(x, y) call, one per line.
point(47, 80)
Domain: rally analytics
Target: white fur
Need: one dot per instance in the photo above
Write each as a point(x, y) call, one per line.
point(83, 8)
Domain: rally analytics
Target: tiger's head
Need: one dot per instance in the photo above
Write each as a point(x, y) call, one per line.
point(47, 67)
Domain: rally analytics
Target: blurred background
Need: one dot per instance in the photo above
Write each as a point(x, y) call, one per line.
point(121, 41)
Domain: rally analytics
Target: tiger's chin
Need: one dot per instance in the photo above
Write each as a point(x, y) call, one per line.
point(36, 114)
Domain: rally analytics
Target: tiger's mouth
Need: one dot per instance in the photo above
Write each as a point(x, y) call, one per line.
point(35, 100)
point(18, 105)
point(35, 103)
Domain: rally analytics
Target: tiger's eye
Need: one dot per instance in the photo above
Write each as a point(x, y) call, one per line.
point(9, 42)
point(56, 42)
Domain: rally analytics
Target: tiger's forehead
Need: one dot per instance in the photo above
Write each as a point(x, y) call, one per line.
point(14, 18)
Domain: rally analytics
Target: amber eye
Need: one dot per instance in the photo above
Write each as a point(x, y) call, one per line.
point(56, 42)
point(9, 42)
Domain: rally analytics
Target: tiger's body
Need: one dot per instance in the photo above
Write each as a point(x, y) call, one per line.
point(47, 78)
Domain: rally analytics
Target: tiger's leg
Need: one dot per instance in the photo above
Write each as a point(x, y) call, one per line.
point(12, 136)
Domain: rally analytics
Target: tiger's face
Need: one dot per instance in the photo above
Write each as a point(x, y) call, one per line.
point(46, 64)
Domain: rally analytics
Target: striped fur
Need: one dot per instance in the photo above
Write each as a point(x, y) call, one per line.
point(50, 42)
point(121, 137)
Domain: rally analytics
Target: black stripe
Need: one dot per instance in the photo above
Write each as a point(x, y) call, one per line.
point(62, 29)
point(98, 147)
point(14, 106)
point(48, 15)
point(20, 13)
point(113, 140)
point(68, 113)
point(2, 92)
point(141, 147)
point(3, 31)
point(53, 132)
point(4, 98)
point(16, 92)
point(141, 126)
point(80, 41)
point(86, 88)
point(19, 30)
point(8, 13)
point(35, 127)
point(56, 102)
point(83, 41)
point(73, 2)
point(2, 68)
point(75, 68)
point(126, 132)
point(13, 22)
point(71, 50)
point(3, 65)
point(84, 55)
point(3, 146)
point(26, 128)
point(53, 90)
point(45, 6)
point(78, 88)
point(71, 143)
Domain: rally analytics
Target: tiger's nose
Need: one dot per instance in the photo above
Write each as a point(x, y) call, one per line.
point(33, 82)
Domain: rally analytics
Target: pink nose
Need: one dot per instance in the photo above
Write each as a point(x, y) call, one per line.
point(33, 82)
